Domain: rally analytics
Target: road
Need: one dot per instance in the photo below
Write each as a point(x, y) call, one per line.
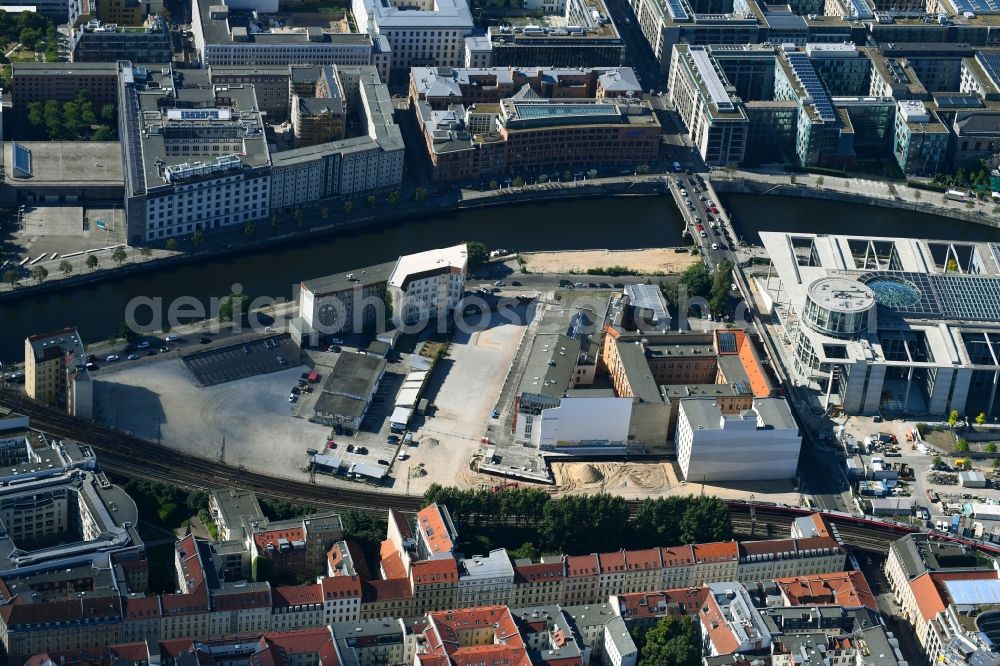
point(638, 53)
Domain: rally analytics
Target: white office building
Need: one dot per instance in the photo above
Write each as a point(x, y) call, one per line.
point(419, 32)
point(891, 325)
point(757, 444)
point(427, 285)
point(484, 580)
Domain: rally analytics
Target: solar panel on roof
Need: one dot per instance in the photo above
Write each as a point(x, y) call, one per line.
point(677, 11)
point(976, 6)
point(806, 75)
point(22, 159)
point(991, 64)
point(727, 342)
point(958, 101)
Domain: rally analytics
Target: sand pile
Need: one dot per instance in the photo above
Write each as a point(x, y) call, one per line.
point(581, 474)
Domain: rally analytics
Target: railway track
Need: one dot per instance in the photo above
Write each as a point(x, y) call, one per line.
point(130, 456)
point(134, 457)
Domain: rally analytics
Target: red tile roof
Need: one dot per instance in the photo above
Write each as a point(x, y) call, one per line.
point(375, 591)
point(582, 565)
point(679, 601)
point(401, 524)
point(234, 600)
point(431, 524)
point(341, 587)
point(262, 539)
point(446, 638)
point(304, 641)
point(842, 588)
point(539, 572)
point(186, 551)
point(284, 596)
point(612, 562)
point(142, 607)
point(639, 560)
point(931, 599)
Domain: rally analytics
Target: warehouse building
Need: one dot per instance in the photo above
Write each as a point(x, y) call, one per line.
point(348, 389)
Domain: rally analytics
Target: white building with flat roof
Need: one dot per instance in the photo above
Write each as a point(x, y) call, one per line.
point(757, 444)
point(895, 325)
point(484, 580)
point(419, 32)
point(428, 284)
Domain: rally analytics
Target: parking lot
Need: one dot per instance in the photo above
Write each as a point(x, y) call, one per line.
point(239, 361)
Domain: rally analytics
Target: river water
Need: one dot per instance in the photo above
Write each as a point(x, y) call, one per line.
point(614, 223)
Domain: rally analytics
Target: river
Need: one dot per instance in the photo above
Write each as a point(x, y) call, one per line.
point(614, 223)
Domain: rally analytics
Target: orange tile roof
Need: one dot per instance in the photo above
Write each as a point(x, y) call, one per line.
point(139, 607)
point(927, 595)
point(187, 551)
point(720, 551)
point(715, 625)
point(426, 572)
point(677, 556)
point(431, 524)
point(391, 561)
point(678, 601)
point(841, 588)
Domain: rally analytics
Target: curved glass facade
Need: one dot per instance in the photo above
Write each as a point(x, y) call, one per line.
point(835, 323)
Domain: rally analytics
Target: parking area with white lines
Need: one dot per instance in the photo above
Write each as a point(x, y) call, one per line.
point(239, 361)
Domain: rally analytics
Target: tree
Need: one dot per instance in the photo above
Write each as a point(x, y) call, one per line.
point(65, 267)
point(232, 304)
point(517, 182)
point(981, 418)
point(92, 261)
point(953, 418)
point(567, 175)
point(962, 445)
point(671, 642)
point(936, 462)
point(108, 114)
point(996, 464)
point(171, 245)
point(275, 222)
point(11, 277)
point(642, 169)
point(103, 133)
point(119, 256)
point(249, 229)
point(697, 280)
point(494, 184)
point(324, 213)
point(28, 38)
point(298, 217)
point(371, 201)
point(917, 195)
point(420, 194)
point(393, 198)
point(197, 237)
point(145, 252)
point(53, 120)
point(819, 181)
point(706, 519)
point(722, 284)
point(991, 448)
point(478, 254)
point(35, 116)
point(348, 207)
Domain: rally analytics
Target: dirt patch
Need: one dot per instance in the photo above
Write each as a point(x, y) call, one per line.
point(584, 474)
point(942, 439)
point(646, 262)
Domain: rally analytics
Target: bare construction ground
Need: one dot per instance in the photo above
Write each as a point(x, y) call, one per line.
point(637, 480)
point(159, 401)
point(464, 388)
point(646, 262)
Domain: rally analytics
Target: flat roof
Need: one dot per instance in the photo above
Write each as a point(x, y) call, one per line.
point(350, 383)
point(549, 368)
point(68, 162)
point(339, 282)
point(414, 266)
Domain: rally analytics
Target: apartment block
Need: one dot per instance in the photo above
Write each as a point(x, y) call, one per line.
point(55, 372)
point(146, 42)
point(62, 82)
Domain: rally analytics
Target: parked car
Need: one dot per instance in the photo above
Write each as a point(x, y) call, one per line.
point(401, 456)
point(336, 341)
point(204, 340)
point(171, 338)
point(133, 357)
point(499, 283)
point(114, 357)
point(143, 345)
point(281, 360)
point(293, 398)
point(151, 352)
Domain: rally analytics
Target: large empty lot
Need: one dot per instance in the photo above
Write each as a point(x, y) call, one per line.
point(464, 389)
point(252, 414)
